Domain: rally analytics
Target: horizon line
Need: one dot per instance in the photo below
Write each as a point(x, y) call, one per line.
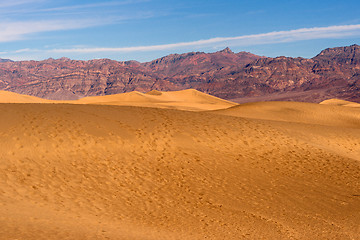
point(133, 60)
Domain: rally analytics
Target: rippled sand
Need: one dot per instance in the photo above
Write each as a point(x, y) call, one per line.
point(97, 170)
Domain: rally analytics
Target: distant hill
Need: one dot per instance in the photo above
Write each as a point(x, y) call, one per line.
point(5, 60)
point(241, 77)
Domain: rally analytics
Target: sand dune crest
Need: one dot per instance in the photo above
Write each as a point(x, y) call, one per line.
point(339, 102)
point(310, 113)
point(191, 100)
point(10, 97)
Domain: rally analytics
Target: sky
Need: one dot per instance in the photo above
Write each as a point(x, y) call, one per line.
point(144, 30)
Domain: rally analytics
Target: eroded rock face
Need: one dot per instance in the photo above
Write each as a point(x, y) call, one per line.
point(334, 73)
point(84, 78)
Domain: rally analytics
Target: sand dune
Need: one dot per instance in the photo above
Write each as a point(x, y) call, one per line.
point(191, 100)
point(254, 171)
point(339, 102)
point(10, 97)
point(309, 113)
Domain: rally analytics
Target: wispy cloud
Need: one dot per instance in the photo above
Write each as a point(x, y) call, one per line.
point(19, 30)
point(12, 3)
point(245, 40)
point(12, 31)
point(330, 32)
point(82, 7)
point(20, 19)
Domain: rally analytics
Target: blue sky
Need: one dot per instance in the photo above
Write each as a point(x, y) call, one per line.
point(147, 29)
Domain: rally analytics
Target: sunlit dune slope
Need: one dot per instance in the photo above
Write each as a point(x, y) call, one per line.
point(190, 99)
point(121, 172)
point(339, 102)
point(310, 113)
point(10, 97)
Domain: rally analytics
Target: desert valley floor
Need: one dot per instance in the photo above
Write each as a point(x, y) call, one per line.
point(178, 165)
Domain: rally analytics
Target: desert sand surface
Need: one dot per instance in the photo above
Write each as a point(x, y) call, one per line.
point(10, 97)
point(190, 99)
point(276, 170)
point(308, 113)
point(339, 102)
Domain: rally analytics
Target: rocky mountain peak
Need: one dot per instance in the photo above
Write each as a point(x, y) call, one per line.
point(64, 59)
point(341, 55)
point(226, 50)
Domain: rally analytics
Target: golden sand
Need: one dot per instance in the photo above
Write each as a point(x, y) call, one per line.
point(340, 102)
point(10, 97)
point(97, 170)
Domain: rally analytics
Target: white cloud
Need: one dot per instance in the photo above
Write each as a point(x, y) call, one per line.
point(12, 3)
point(12, 31)
point(24, 50)
point(330, 32)
point(35, 19)
point(245, 40)
point(33, 8)
point(70, 8)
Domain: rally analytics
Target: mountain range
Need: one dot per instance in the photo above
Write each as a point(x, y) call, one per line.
point(240, 77)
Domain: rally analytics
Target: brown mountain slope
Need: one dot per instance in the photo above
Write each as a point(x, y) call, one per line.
point(198, 63)
point(83, 78)
point(50, 78)
point(334, 73)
